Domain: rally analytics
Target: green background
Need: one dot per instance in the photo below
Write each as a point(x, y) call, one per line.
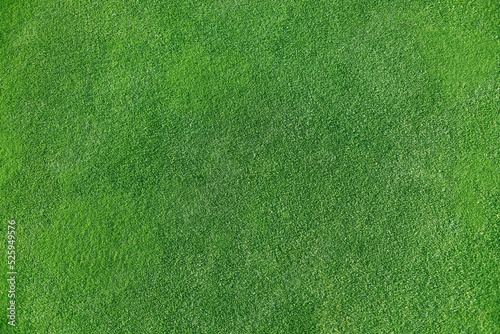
point(231, 166)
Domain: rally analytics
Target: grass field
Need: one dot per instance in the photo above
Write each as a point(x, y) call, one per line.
point(243, 166)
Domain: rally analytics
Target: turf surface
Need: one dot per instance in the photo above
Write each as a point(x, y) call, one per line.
point(251, 166)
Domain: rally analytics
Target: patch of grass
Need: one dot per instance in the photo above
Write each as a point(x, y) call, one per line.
point(252, 167)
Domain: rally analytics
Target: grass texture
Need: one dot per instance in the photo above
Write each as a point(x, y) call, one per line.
point(223, 166)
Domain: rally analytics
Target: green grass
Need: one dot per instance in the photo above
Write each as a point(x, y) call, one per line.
point(251, 166)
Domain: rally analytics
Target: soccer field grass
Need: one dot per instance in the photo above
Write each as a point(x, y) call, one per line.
point(243, 166)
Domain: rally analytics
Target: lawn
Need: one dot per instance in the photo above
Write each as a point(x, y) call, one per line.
point(223, 166)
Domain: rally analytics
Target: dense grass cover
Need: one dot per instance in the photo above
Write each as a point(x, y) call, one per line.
point(263, 166)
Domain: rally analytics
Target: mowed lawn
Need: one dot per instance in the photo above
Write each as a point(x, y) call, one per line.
point(223, 166)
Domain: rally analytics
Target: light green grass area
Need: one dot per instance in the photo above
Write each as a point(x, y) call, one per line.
point(251, 166)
